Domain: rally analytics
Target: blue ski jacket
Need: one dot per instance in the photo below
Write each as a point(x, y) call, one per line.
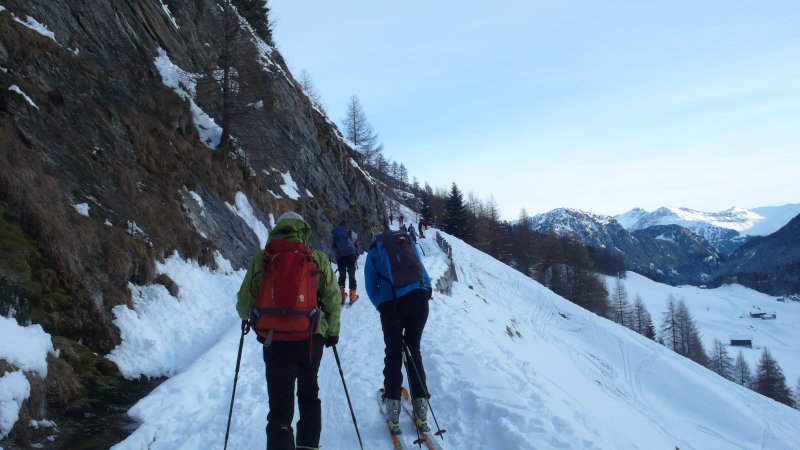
point(376, 279)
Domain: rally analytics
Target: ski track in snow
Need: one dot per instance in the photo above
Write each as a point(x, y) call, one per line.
point(509, 364)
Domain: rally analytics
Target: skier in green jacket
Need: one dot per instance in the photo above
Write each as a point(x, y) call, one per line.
point(290, 362)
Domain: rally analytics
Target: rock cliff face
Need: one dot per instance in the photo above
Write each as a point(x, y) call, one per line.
point(769, 264)
point(111, 114)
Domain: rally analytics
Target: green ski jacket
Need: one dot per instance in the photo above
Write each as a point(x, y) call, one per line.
point(292, 227)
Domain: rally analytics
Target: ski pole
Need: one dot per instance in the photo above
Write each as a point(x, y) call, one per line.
point(347, 394)
point(419, 440)
point(439, 432)
point(245, 330)
point(420, 247)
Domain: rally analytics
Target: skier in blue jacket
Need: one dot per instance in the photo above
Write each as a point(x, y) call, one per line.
point(404, 311)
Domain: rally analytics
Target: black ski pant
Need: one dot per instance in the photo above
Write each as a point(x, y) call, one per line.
point(402, 320)
point(287, 363)
point(347, 267)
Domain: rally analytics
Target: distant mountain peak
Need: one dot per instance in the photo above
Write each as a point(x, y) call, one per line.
point(758, 221)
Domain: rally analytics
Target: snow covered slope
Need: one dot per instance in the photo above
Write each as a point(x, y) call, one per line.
point(724, 312)
point(510, 366)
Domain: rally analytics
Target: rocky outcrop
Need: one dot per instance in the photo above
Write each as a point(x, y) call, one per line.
point(107, 164)
point(768, 264)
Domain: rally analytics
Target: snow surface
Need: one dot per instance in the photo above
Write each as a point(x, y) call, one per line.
point(245, 211)
point(363, 172)
point(82, 208)
point(25, 348)
point(198, 199)
point(169, 14)
point(15, 389)
point(289, 187)
point(510, 365)
point(183, 83)
point(38, 27)
point(30, 346)
point(775, 217)
point(163, 335)
point(16, 89)
point(724, 313)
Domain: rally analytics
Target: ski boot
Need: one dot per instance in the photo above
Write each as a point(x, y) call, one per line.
point(421, 413)
point(344, 294)
point(353, 296)
point(393, 415)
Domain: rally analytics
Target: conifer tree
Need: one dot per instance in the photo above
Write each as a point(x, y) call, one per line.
point(256, 12)
point(497, 233)
point(691, 345)
point(456, 219)
point(359, 131)
point(522, 249)
point(770, 381)
point(620, 311)
point(310, 88)
point(797, 394)
point(669, 333)
point(720, 362)
point(231, 45)
point(642, 321)
point(741, 371)
point(402, 176)
point(425, 209)
point(415, 189)
point(679, 332)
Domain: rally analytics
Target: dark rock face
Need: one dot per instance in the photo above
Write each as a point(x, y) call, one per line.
point(86, 118)
point(769, 264)
point(690, 258)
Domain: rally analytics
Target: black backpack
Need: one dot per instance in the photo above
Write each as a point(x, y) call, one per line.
point(404, 264)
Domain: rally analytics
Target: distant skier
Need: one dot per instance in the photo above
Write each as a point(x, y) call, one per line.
point(346, 255)
point(403, 308)
point(412, 233)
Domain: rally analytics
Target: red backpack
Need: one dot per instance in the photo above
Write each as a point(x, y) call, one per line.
point(286, 304)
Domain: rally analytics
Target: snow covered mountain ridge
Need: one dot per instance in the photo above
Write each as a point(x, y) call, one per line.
point(756, 222)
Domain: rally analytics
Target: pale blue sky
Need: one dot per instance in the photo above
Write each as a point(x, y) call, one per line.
point(601, 106)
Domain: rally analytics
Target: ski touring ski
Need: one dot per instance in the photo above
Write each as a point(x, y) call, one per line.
point(424, 436)
point(397, 439)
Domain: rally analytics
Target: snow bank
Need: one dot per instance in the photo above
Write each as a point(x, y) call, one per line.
point(82, 208)
point(289, 187)
point(15, 88)
point(183, 83)
point(25, 348)
point(15, 389)
point(163, 335)
point(245, 211)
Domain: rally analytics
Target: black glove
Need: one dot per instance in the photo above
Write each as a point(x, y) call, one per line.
point(331, 341)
